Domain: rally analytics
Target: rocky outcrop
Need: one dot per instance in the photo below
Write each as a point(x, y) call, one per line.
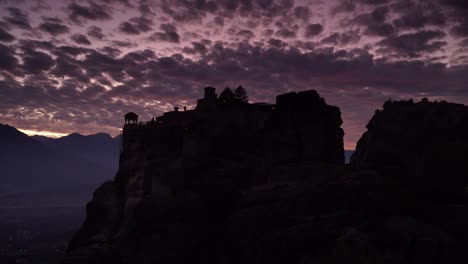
point(267, 184)
point(103, 214)
point(421, 145)
point(304, 121)
point(182, 175)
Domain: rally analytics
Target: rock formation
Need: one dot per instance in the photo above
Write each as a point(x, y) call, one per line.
point(261, 183)
point(422, 145)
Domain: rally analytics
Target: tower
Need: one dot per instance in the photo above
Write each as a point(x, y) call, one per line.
point(208, 102)
point(210, 93)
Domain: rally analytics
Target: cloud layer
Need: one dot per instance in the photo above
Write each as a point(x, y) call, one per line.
point(78, 66)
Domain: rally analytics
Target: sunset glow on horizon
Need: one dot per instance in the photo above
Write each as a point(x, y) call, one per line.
point(48, 134)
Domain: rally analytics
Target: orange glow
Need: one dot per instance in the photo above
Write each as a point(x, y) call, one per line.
point(42, 133)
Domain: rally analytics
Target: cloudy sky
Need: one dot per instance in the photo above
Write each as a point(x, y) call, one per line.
point(78, 66)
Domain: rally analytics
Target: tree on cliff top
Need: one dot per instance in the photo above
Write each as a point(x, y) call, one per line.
point(240, 94)
point(226, 96)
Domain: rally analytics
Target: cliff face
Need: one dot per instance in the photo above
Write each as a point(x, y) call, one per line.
point(421, 144)
point(180, 177)
point(249, 184)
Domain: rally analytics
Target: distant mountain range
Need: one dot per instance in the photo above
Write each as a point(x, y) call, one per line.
point(40, 170)
point(100, 148)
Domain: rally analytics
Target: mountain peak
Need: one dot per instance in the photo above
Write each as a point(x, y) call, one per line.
point(10, 136)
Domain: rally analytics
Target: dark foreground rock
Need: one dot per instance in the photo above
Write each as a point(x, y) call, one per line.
point(422, 145)
point(245, 184)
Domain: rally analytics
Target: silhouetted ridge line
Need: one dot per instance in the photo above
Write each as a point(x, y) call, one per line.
point(36, 172)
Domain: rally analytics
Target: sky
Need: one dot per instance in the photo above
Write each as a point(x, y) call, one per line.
point(79, 66)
